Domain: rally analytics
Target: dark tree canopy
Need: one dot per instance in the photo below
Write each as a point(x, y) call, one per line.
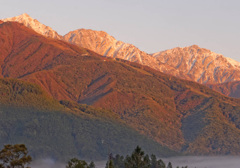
point(76, 163)
point(14, 156)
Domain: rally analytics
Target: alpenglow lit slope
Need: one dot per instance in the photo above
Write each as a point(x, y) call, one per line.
point(182, 115)
point(200, 65)
point(192, 63)
point(34, 24)
point(106, 45)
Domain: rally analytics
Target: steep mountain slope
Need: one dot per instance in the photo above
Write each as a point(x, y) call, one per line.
point(24, 51)
point(34, 24)
point(52, 130)
point(176, 113)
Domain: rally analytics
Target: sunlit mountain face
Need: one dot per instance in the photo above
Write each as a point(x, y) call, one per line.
point(191, 63)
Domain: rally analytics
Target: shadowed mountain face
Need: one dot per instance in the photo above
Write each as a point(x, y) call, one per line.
point(179, 114)
point(231, 89)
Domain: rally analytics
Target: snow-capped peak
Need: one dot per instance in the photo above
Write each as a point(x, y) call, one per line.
point(34, 24)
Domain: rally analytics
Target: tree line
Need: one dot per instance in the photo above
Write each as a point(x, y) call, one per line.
point(16, 156)
point(138, 159)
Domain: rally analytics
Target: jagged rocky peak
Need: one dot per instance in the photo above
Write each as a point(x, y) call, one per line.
point(34, 24)
point(199, 64)
point(193, 54)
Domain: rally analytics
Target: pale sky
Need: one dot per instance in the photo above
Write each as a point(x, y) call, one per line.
point(150, 25)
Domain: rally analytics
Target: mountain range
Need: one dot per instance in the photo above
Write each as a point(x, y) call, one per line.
point(190, 63)
point(176, 114)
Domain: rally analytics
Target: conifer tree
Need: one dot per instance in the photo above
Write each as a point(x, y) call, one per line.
point(137, 159)
point(161, 164)
point(169, 165)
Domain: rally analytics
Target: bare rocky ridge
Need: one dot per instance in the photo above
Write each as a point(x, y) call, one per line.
point(192, 63)
point(34, 24)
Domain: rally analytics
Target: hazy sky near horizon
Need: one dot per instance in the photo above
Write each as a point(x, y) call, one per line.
point(151, 25)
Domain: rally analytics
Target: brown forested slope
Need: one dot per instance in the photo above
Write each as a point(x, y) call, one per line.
point(62, 130)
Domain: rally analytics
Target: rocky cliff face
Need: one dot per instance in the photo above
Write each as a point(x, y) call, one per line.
point(34, 24)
